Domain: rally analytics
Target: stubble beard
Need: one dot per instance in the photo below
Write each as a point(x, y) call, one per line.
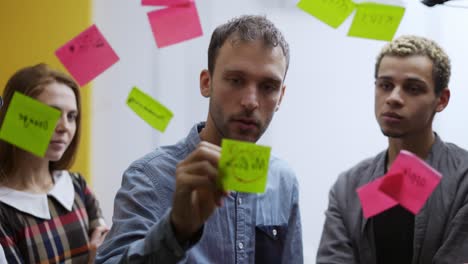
point(392, 135)
point(221, 123)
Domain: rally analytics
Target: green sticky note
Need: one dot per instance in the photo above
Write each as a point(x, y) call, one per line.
point(243, 166)
point(376, 21)
point(150, 110)
point(29, 124)
point(331, 12)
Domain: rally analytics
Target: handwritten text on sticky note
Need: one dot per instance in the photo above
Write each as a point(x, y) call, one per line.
point(87, 55)
point(150, 110)
point(29, 124)
point(417, 182)
point(376, 21)
point(175, 24)
point(331, 12)
point(244, 166)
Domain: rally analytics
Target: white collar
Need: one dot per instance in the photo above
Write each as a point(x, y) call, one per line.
point(37, 204)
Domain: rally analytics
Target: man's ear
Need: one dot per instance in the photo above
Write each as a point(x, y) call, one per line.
point(283, 89)
point(205, 83)
point(443, 100)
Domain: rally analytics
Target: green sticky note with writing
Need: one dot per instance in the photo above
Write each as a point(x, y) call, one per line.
point(150, 110)
point(243, 166)
point(29, 124)
point(376, 21)
point(331, 12)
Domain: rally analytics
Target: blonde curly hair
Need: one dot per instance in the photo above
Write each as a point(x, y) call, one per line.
point(410, 45)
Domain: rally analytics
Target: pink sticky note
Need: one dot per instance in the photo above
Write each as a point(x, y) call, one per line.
point(175, 24)
point(417, 182)
point(87, 55)
point(373, 201)
point(164, 2)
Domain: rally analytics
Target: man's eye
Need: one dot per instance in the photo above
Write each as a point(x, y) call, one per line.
point(234, 80)
point(414, 89)
point(269, 87)
point(385, 86)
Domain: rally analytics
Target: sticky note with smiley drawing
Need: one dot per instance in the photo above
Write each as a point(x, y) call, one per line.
point(29, 124)
point(243, 166)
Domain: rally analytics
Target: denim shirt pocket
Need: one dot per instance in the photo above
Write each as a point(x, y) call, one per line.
point(269, 243)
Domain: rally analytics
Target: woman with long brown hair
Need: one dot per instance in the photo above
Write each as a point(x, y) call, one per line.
point(47, 214)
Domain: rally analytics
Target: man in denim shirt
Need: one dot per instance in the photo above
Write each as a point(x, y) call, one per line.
point(170, 209)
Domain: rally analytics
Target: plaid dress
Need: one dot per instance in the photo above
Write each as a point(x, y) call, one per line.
point(64, 238)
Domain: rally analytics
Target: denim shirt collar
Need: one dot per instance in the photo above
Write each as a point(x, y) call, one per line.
point(193, 138)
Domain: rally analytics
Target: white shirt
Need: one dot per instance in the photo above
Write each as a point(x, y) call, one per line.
point(37, 204)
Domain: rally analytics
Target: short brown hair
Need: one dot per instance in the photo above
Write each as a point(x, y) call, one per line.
point(31, 81)
point(246, 28)
point(410, 45)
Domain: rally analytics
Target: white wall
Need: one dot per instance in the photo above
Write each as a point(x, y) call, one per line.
point(326, 123)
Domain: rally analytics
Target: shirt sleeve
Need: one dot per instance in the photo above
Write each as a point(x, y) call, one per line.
point(141, 231)
point(454, 247)
point(293, 250)
point(335, 245)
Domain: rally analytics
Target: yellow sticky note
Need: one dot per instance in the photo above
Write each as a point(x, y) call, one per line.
point(243, 166)
point(150, 110)
point(29, 124)
point(331, 12)
point(376, 21)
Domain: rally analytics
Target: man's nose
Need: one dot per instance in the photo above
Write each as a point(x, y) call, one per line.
point(250, 97)
point(395, 98)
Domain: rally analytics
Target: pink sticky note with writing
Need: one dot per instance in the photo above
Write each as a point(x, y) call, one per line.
point(175, 24)
point(418, 181)
point(373, 201)
point(164, 2)
point(87, 55)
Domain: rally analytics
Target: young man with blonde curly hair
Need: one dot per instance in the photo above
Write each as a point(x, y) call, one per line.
point(411, 85)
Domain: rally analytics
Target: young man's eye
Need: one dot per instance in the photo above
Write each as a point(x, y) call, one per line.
point(414, 89)
point(386, 86)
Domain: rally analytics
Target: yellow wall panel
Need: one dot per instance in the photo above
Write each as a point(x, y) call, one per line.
point(30, 32)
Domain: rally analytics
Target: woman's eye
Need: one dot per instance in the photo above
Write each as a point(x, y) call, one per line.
point(72, 117)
